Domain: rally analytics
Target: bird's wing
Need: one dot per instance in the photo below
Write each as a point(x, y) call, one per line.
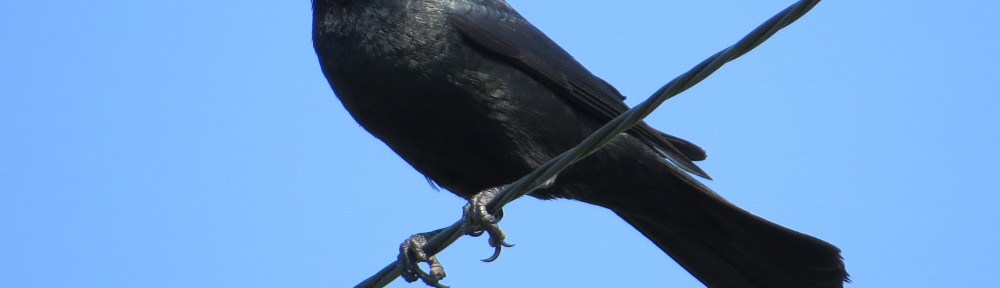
point(509, 36)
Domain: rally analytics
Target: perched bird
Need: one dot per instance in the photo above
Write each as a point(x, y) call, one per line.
point(473, 96)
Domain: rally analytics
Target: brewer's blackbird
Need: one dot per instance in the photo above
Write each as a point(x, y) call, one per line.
point(473, 96)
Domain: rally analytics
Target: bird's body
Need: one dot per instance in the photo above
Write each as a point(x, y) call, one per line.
point(395, 83)
point(473, 96)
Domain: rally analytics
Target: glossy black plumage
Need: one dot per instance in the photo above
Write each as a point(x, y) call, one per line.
point(473, 96)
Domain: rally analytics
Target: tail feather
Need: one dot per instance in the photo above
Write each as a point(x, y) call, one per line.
point(727, 247)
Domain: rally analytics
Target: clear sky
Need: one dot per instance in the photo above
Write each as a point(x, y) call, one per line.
point(196, 144)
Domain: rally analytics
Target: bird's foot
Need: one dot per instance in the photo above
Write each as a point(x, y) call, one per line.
point(478, 221)
point(411, 254)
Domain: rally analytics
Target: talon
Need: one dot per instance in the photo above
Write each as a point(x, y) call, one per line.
point(411, 254)
point(480, 222)
point(505, 244)
point(496, 241)
point(496, 254)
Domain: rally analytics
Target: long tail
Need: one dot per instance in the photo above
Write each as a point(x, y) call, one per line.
point(727, 247)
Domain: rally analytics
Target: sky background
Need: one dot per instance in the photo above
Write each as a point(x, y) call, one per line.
point(197, 144)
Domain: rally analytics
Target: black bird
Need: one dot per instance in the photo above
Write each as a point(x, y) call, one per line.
point(473, 96)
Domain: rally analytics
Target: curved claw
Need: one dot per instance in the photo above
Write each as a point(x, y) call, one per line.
point(505, 244)
point(497, 242)
point(480, 222)
point(496, 254)
point(496, 251)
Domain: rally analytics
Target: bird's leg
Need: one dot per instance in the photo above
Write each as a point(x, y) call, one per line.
point(411, 254)
point(478, 220)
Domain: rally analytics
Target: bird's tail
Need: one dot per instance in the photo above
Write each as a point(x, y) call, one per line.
point(727, 247)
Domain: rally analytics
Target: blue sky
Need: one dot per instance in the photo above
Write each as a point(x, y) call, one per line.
point(196, 144)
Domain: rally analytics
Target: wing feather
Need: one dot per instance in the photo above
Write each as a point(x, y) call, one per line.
point(513, 39)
